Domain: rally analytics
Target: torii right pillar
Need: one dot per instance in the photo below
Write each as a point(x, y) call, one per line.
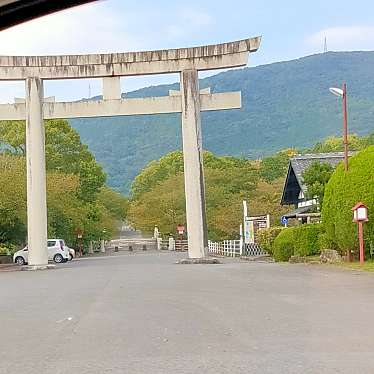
point(193, 165)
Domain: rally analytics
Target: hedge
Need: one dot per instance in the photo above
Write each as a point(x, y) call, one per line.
point(342, 192)
point(306, 239)
point(283, 247)
point(266, 237)
point(301, 240)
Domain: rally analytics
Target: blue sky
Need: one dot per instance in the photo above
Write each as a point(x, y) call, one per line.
point(290, 29)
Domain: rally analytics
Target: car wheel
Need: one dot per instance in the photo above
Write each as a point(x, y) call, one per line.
point(58, 259)
point(20, 260)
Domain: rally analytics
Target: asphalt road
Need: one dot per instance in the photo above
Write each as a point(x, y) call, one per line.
point(141, 313)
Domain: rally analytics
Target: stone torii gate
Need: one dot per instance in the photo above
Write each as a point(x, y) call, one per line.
point(189, 101)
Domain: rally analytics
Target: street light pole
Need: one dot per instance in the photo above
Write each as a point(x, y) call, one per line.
point(343, 94)
point(345, 127)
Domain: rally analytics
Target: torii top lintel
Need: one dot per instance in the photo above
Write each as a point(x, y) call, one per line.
point(217, 56)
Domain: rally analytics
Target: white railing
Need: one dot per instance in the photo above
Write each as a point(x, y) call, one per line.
point(229, 248)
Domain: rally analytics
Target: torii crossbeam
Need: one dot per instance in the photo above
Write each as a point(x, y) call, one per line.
point(189, 101)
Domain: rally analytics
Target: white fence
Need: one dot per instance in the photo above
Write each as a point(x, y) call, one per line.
point(230, 248)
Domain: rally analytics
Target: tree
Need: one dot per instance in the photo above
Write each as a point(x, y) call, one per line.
point(156, 172)
point(316, 176)
point(228, 181)
point(163, 206)
point(274, 167)
point(64, 153)
point(12, 199)
point(12, 137)
point(114, 202)
point(342, 192)
point(335, 144)
point(76, 196)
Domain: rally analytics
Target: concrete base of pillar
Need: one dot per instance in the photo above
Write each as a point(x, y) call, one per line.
point(203, 260)
point(38, 267)
point(90, 248)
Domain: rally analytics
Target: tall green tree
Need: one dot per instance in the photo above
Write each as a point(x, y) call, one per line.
point(316, 177)
point(64, 152)
point(12, 199)
point(343, 191)
point(228, 181)
point(335, 144)
point(76, 195)
point(274, 167)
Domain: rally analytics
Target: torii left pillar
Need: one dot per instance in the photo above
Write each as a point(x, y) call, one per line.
point(193, 165)
point(36, 175)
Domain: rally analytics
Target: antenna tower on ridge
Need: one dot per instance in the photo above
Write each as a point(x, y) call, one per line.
point(325, 45)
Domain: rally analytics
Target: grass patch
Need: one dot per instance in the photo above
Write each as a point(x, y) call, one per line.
point(367, 266)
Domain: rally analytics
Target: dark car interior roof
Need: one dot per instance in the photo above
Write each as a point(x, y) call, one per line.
point(13, 12)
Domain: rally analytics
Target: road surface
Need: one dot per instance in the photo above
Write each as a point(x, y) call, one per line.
point(142, 313)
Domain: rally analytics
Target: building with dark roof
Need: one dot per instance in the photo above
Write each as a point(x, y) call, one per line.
point(295, 188)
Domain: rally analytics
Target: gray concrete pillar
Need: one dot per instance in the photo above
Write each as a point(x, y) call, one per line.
point(171, 244)
point(193, 165)
point(36, 174)
point(90, 248)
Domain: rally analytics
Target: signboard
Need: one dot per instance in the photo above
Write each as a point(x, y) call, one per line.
point(284, 220)
point(180, 229)
point(79, 233)
point(252, 225)
point(248, 231)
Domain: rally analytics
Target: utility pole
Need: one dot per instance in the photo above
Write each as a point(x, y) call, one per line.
point(345, 127)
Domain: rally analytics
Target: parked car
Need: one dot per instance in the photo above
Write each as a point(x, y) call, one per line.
point(71, 253)
point(57, 252)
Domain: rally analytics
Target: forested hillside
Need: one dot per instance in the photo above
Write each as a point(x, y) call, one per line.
point(285, 104)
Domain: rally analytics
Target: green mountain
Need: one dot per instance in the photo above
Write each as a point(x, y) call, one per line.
point(285, 104)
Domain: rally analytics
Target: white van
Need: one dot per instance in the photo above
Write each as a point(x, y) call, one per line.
point(57, 252)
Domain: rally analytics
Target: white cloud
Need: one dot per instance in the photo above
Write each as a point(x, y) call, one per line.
point(190, 22)
point(344, 38)
point(100, 27)
point(196, 18)
point(87, 29)
point(94, 28)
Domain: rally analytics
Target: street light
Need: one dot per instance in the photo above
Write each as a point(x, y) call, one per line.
point(342, 93)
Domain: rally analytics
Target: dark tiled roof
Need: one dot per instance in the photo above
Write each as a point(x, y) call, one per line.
point(296, 211)
point(300, 163)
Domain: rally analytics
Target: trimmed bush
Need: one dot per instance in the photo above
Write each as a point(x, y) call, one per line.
point(283, 247)
point(306, 239)
point(266, 237)
point(342, 192)
point(7, 249)
point(324, 242)
point(299, 241)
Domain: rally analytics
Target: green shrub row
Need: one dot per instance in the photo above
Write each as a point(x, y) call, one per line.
point(7, 249)
point(283, 247)
point(303, 240)
point(266, 237)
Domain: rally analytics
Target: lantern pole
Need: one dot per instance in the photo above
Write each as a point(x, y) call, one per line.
point(361, 241)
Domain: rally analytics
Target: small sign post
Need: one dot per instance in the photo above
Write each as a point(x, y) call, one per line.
point(360, 215)
point(180, 229)
point(284, 221)
point(79, 234)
